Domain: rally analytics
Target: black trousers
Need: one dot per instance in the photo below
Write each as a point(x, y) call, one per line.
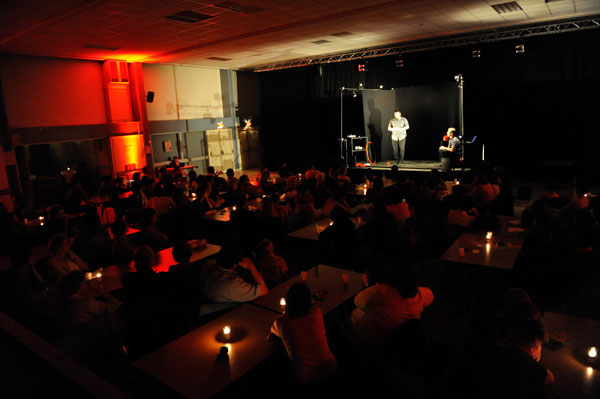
point(398, 148)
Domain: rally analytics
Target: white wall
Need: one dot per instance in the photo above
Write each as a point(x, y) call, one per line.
point(42, 91)
point(183, 92)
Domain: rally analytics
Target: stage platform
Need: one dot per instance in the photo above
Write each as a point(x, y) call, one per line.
point(407, 166)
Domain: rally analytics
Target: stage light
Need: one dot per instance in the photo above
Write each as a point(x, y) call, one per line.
point(519, 48)
point(354, 93)
point(362, 68)
point(360, 85)
point(458, 77)
point(381, 86)
point(476, 53)
point(399, 62)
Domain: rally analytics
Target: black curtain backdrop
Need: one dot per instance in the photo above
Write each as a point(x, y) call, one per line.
point(527, 108)
point(430, 110)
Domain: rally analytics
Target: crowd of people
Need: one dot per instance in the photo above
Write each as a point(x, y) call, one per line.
point(386, 233)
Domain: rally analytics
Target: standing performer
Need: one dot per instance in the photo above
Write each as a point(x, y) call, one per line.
point(398, 126)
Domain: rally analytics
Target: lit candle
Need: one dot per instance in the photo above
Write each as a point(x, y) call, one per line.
point(488, 236)
point(365, 185)
point(331, 223)
point(488, 246)
point(194, 195)
point(589, 371)
point(41, 218)
point(234, 208)
point(282, 303)
point(227, 332)
point(592, 353)
point(98, 275)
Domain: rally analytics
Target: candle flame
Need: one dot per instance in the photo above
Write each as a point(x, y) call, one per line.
point(226, 330)
point(593, 352)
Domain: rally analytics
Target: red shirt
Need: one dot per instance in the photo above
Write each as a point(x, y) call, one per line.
point(306, 344)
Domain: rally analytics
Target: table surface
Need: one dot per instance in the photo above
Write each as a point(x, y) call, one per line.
point(573, 377)
point(189, 364)
point(319, 278)
point(500, 254)
point(112, 276)
point(360, 189)
point(164, 258)
point(96, 199)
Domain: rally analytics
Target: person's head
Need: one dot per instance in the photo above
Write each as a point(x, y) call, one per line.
point(397, 114)
point(481, 179)
point(143, 259)
point(59, 245)
point(182, 251)
point(378, 183)
point(210, 170)
point(118, 228)
point(523, 323)
point(137, 177)
point(70, 283)
point(230, 173)
point(266, 247)
point(298, 300)
point(338, 214)
point(451, 132)
point(265, 177)
point(404, 278)
point(244, 179)
point(175, 161)
point(231, 252)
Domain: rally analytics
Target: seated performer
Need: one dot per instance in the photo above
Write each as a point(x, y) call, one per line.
point(451, 147)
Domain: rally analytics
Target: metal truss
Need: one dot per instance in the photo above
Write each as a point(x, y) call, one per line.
point(488, 36)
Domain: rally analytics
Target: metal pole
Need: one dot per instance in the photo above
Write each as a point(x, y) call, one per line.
point(342, 126)
point(461, 83)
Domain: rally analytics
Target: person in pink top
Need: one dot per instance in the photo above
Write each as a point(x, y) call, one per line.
point(388, 304)
point(302, 332)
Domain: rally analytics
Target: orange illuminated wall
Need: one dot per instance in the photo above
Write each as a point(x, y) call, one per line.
point(43, 91)
point(127, 152)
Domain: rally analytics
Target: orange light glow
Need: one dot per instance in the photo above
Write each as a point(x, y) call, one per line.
point(127, 151)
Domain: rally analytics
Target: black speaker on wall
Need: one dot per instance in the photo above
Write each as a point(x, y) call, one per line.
point(150, 96)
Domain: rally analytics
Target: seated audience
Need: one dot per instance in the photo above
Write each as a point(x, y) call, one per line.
point(62, 260)
point(387, 305)
point(302, 332)
point(272, 267)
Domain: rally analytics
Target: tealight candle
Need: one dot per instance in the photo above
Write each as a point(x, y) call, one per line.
point(98, 275)
point(488, 236)
point(227, 332)
point(592, 353)
point(365, 185)
point(234, 208)
point(282, 303)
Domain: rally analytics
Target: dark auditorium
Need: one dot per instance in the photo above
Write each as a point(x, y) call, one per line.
point(336, 198)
